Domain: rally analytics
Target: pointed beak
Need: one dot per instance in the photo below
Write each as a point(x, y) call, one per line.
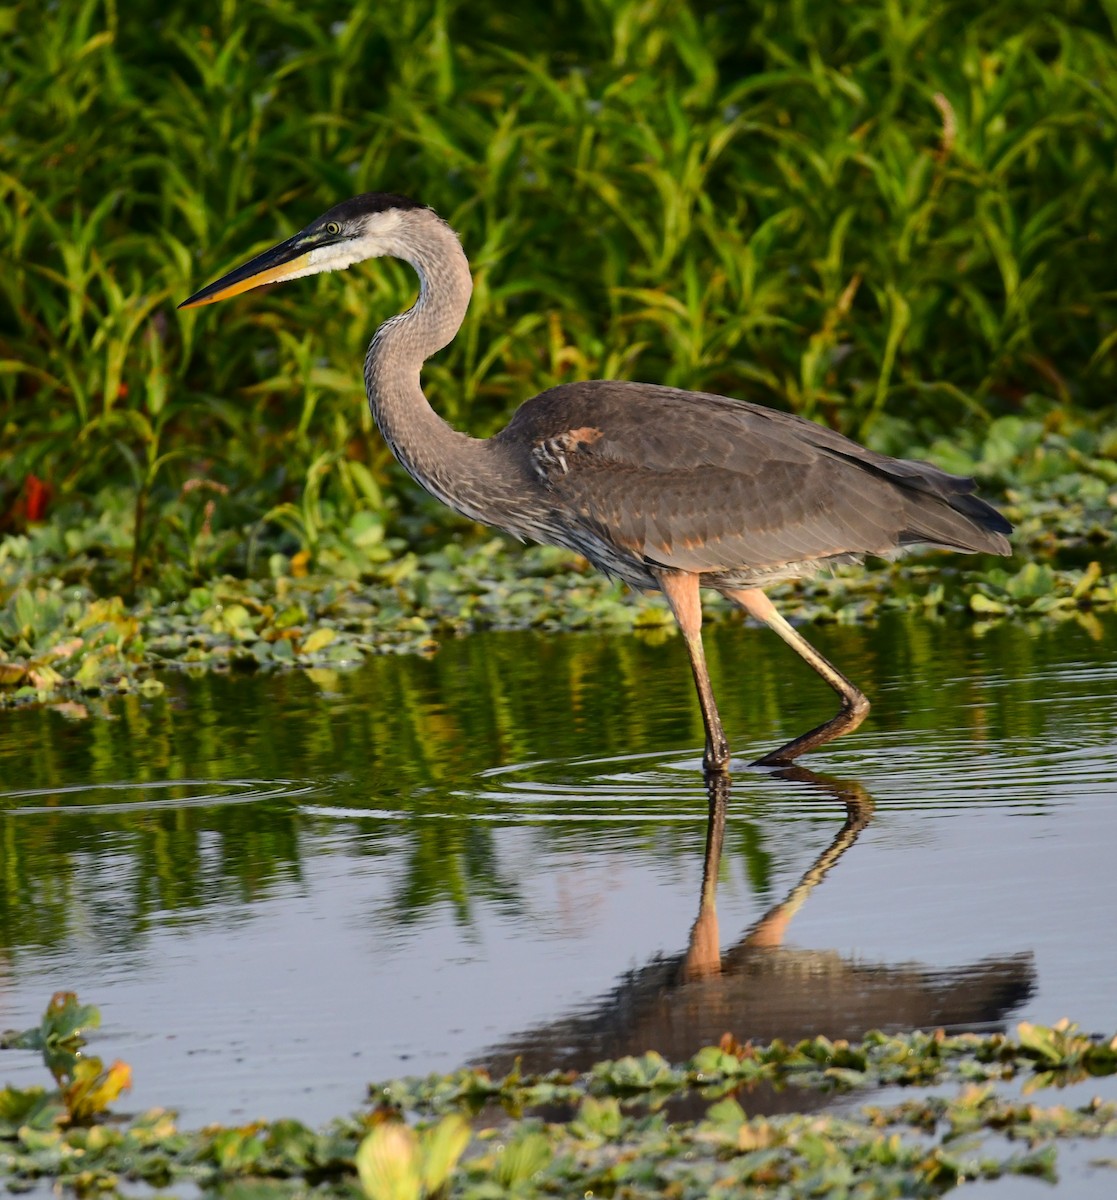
point(278, 263)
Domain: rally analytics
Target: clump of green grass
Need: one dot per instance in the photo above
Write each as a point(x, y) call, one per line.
point(866, 213)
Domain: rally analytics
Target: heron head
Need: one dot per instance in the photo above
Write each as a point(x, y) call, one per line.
point(368, 226)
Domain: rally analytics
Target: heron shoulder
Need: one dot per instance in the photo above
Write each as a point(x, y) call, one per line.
point(639, 427)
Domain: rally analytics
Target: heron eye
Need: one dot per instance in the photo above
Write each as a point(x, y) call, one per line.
point(333, 227)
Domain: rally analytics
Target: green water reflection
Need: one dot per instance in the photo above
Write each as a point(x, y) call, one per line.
point(408, 736)
point(279, 888)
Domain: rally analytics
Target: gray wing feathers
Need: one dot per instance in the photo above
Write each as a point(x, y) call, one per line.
point(705, 483)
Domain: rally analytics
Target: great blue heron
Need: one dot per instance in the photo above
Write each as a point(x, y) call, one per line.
point(662, 488)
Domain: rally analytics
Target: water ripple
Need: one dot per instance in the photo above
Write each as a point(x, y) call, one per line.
point(946, 774)
point(239, 791)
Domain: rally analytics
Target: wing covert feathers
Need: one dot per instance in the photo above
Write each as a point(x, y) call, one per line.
point(704, 483)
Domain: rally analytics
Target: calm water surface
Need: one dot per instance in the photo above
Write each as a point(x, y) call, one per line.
point(281, 888)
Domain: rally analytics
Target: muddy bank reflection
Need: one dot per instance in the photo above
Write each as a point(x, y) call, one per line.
point(760, 988)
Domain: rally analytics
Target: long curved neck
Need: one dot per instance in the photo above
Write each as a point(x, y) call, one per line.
point(449, 464)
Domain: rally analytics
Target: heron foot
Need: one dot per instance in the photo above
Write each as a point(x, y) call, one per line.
point(855, 708)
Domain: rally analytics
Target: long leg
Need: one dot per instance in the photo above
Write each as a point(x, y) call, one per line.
point(681, 590)
point(855, 707)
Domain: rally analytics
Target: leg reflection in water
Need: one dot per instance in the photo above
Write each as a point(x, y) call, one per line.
point(759, 988)
point(703, 956)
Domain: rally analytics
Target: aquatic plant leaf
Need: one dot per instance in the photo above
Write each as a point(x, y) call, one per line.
point(726, 1117)
point(525, 1155)
point(388, 1163)
point(33, 1108)
point(1032, 581)
point(65, 1020)
point(648, 1071)
point(600, 1116)
point(293, 614)
point(767, 1167)
point(12, 673)
point(981, 603)
point(239, 1149)
point(1090, 576)
point(1101, 1059)
point(440, 1147)
point(1041, 1042)
point(318, 640)
point(294, 1142)
point(92, 1088)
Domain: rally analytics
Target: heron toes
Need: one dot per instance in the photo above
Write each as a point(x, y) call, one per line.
point(855, 708)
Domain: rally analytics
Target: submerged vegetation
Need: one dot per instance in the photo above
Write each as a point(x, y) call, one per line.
point(895, 219)
point(481, 1138)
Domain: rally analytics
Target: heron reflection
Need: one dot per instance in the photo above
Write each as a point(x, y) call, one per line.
point(760, 988)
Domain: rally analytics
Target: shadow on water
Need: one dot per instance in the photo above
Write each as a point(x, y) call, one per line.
point(677, 1003)
point(279, 888)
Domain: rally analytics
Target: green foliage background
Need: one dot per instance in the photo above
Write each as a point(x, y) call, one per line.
point(899, 217)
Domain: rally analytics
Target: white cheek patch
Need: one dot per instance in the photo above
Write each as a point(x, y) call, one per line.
point(345, 254)
point(380, 238)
